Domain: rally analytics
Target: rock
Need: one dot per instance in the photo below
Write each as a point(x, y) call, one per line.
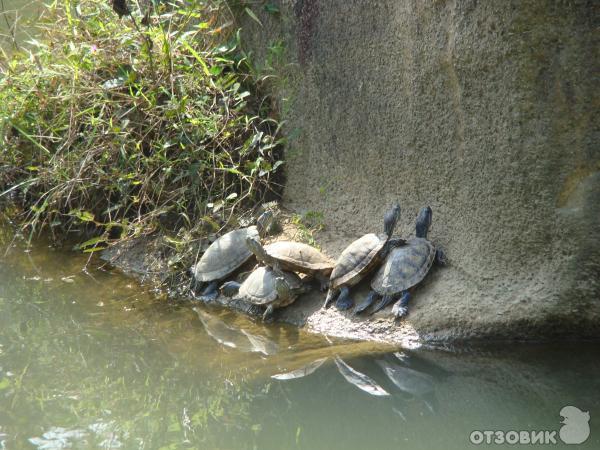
point(483, 110)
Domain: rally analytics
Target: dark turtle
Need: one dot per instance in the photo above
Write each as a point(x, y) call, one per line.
point(359, 258)
point(295, 257)
point(403, 268)
point(227, 254)
point(268, 287)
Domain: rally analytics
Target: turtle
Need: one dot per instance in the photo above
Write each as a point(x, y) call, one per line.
point(227, 254)
point(268, 287)
point(295, 257)
point(403, 268)
point(360, 257)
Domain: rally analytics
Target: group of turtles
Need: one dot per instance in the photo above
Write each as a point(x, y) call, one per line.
point(274, 282)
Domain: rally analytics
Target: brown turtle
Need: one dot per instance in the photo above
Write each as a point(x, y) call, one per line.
point(227, 254)
point(360, 257)
point(294, 257)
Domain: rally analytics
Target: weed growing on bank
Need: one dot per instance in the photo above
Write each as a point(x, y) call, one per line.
point(125, 125)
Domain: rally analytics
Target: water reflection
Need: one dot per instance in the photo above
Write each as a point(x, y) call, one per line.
point(411, 382)
point(359, 379)
point(233, 337)
point(301, 372)
point(58, 438)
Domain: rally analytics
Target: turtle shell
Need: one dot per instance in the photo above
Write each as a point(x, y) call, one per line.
point(357, 260)
point(299, 257)
point(260, 288)
point(404, 267)
point(225, 255)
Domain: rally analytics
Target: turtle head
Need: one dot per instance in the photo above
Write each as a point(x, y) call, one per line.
point(264, 222)
point(256, 247)
point(282, 287)
point(423, 222)
point(390, 219)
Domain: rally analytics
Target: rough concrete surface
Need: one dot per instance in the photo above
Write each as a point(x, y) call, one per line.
point(486, 111)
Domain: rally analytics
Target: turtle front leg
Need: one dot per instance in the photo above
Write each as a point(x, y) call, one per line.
point(385, 300)
point(331, 296)
point(368, 301)
point(323, 281)
point(268, 312)
point(344, 301)
point(230, 288)
point(210, 292)
point(317, 278)
point(400, 309)
point(195, 286)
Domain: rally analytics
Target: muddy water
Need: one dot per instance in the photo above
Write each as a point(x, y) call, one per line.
point(90, 359)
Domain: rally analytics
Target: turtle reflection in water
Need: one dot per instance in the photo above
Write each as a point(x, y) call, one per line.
point(235, 337)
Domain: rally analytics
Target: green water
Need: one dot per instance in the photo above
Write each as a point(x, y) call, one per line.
point(90, 359)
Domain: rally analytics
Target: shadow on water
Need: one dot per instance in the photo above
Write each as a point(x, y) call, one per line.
point(89, 358)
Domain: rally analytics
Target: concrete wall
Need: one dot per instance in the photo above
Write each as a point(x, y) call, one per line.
point(485, 110)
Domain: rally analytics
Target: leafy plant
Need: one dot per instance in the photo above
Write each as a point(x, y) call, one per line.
point(120, 129)
point(307, 224)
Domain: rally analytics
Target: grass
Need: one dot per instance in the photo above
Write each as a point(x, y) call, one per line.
point(117, 128)
point(307, 225)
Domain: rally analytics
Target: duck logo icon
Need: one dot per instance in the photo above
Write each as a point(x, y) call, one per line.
point(575, 429)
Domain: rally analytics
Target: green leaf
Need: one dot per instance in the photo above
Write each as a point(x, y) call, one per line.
point(232, 170)
point(30, 138)
point(4, 383)
point(216, 70)
point(253, 16)
point(95, 249)
point(272, 8)
point(171, 240)
point(39, 209)
point(196, 55)
point(92, 242)
point(84, 216)
point(210, 221)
